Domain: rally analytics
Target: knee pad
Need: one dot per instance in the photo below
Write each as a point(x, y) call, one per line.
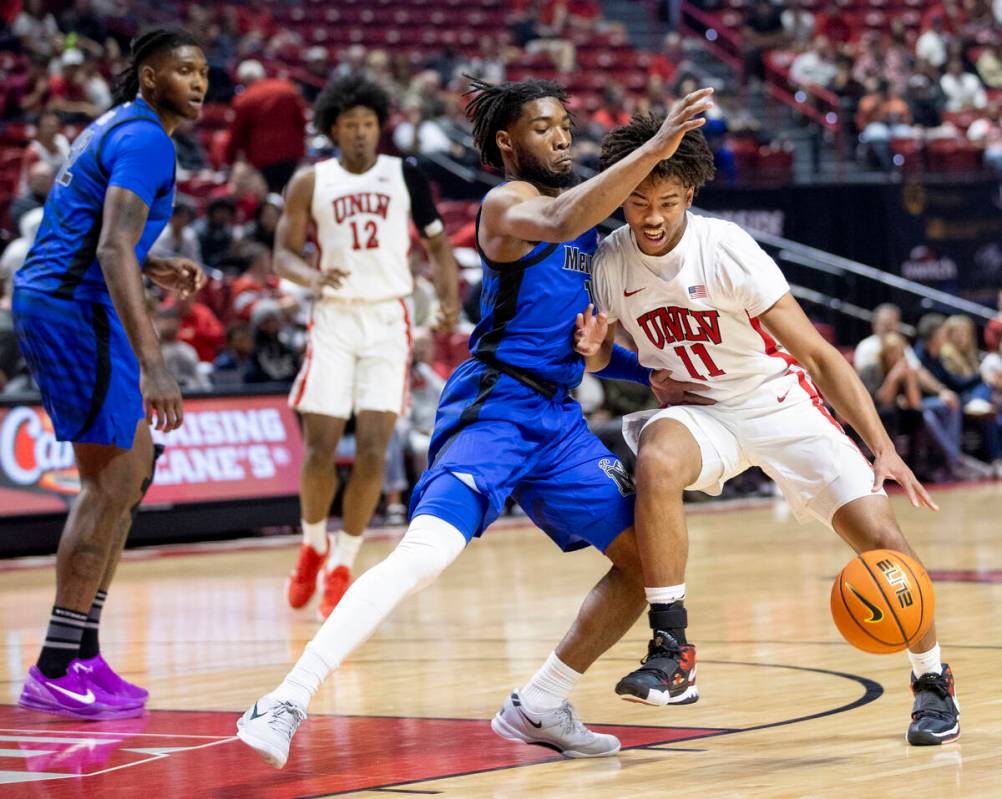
point(428, 547)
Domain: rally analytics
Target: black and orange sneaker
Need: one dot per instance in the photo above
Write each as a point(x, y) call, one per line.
point(667, 676)
point(935, 714)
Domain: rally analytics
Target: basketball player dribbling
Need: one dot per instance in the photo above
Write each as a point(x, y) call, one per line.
point(700, 298)
point(358, 357)
point(507, 425)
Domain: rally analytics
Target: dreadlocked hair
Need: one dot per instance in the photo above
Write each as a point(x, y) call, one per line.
point(345, 93)
point(494, 107)
point(143, 48)
point(692, 162)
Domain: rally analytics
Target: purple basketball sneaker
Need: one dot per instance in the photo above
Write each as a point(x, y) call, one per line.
point(74, 695)
point(98, 673)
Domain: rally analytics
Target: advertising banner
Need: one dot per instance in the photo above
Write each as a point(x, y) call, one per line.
point(229, 448)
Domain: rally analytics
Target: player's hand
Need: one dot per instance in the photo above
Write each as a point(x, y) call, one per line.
point(677, 392)
point(889, 466)
point(590, 331)
point(447, 317)
point(950, 399)
point(682, 117)
point(176, 274)
point(161, 397)
point(328, 278)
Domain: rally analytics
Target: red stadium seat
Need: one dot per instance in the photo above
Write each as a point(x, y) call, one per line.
point(954, 155)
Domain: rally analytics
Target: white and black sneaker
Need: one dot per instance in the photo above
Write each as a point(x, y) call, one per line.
point(559, 729)
point(268, 727)
point(936, 712)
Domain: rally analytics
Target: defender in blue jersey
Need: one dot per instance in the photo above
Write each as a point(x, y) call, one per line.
point(507, 425)
point(82, 325)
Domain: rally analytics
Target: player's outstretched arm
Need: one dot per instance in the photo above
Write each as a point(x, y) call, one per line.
point(290, 237)
point(518, 210)
point(124, 219)
point(842, 387)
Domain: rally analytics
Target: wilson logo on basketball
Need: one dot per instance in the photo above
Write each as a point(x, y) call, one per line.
point(30, 454)
point(898, 581)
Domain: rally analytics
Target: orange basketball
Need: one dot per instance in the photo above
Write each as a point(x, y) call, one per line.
point(882, 601)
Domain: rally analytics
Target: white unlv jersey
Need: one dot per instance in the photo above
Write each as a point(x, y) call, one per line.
point(363, 227)
point(694, 311)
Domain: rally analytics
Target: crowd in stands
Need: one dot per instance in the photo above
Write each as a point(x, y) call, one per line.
point(906, 79)
point(249, 328)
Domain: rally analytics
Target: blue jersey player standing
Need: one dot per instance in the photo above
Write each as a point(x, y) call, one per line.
point(507, 425)
point(82, 325)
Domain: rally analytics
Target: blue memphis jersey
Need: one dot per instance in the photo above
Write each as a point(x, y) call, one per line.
point(125, 147)
point(528, 309)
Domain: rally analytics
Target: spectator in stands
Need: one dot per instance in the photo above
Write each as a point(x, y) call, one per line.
point(215, 231)
point(180, 358)
point(986, 133)
point(351, 62)
point(262, 229)
point(933, 45)
point(417, 134)
point(925, 101)
point(993, 330)
point(49, 145)
point(269, 125)
point(316, 72)
point(989, 65)
point(886, 319)
point(37, 187)
point(199, 327)
point(848, 90)
point(798, 22)
point(86, 22)
point(489, 62)
point(894, 386)
point(883, 115)
point(233, 362)
point(36, 28)
point(247, 188)
point(832, 24)
point(991, 373)
point(959, 358)
point(614, 111)
point(259, 282)
point(963, 90)
point(815, 66)
point(762, 31)
point(31, 92)
point(272, 360)
point(179, 238)
point(14, 253)
point(541, 30)
point(70, 90)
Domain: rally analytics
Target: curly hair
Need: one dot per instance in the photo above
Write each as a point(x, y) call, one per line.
point(345, 93)
point(143, 48)
point(692, 162)
point(494, 107)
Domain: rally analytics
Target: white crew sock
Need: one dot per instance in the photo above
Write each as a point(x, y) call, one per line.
point(315, 534)
point(549, 687)
point(429, 545)
point(665, 595)
point(926, 662)
point(345, 551)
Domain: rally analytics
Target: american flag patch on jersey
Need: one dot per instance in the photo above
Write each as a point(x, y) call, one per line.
point(697, 292)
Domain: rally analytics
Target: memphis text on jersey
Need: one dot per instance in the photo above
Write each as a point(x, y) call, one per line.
point(365, 202)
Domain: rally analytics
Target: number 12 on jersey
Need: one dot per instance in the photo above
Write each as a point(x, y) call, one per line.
point(701, 352)
point(368, 234)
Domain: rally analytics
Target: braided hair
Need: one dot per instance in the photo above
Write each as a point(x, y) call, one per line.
point(494, 107)
point(143, 48)
point(692, 162)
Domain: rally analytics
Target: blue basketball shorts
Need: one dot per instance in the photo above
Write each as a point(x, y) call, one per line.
point(81, 359)
point(501, 438)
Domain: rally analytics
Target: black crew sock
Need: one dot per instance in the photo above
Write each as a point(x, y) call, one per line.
point(89, 645)
point(62, 642)
point(670, 618)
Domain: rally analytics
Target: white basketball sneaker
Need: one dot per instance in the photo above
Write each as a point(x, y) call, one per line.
point(559, 729)
point(268, 727)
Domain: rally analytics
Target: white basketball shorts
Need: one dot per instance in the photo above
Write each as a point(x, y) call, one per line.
point(357, 359)
point(785, 430)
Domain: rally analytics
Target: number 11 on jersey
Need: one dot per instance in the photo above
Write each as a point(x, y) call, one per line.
point(703, 355)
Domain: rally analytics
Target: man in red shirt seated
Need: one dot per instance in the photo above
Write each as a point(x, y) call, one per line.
point(258, 282)
point(199, 327)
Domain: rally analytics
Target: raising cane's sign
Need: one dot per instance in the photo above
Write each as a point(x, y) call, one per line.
point(229, 448)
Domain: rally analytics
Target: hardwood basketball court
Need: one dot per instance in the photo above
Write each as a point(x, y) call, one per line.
point(786, 710)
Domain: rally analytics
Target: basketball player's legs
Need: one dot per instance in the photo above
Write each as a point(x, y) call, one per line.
point(372, 436)
point(677, 448)
point(868, 523)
